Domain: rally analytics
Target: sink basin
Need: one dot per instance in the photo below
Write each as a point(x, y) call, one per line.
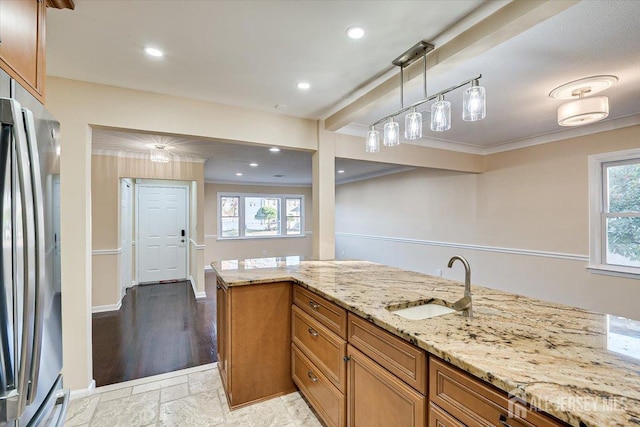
point(424, 311)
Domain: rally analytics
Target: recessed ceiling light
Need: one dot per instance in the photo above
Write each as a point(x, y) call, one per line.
point(274, 149)
point(253, 165)
point(152, 51)
point(304, 85)
point(340, 171)
point(355, 33)
point(164, 147)
point(238, 174)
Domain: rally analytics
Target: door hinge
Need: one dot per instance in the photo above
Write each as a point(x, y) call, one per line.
point(346, 358)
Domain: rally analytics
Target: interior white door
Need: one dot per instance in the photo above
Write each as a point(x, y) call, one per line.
point(126, 229)
point(162, 233)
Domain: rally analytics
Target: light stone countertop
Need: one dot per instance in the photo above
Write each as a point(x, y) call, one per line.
point(555, 357)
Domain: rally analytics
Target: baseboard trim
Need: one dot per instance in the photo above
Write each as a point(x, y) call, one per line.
point(106, 251)
point(105, 308)
point(513, 251)
point(198, 295)
point(83, 392)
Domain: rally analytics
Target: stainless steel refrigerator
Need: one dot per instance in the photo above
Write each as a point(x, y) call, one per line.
point(31, 392)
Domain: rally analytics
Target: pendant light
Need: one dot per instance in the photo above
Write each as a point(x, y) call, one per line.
point(474, 103)
point(441, 115)
point(413, 125)
point(373, 140)
point(391, 133)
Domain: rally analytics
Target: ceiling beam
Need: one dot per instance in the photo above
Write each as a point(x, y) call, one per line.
point(506, 23)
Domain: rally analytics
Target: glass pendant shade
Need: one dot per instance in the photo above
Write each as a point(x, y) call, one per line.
point(373, 141)
point(583, 111)
point(159, 155)
point(413, 125)
point(474, 104)
point(441, 115)
point(391, 133)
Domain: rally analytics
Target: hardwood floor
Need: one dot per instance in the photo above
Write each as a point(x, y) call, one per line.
point(159, 328)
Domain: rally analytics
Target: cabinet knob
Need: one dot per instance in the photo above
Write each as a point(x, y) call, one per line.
point(312, 377)
point(314, 304)
point(312, 332)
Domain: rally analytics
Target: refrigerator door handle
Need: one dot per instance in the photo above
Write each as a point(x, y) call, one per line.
point(11, 113)
point(56, 397)
point(38, 199)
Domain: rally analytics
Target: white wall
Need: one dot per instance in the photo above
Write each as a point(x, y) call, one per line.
point(522, 224)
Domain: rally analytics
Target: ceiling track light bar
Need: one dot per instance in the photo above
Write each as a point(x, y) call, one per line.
point(474, 105)
point(429, 98)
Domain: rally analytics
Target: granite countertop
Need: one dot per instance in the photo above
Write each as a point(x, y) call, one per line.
point(578, 366)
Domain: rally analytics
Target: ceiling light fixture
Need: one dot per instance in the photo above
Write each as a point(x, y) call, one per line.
point(274, 149)
point(159, 154)
point(152, 51)
point(253, 165)
point(340, 171)
point(585, 108)
point(239, 174)
point(355, 33)
point(474, 104)
point(304, 85)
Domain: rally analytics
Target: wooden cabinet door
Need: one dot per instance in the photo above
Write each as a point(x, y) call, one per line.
point(222, 318)
point(22, 43)
point(376, 398)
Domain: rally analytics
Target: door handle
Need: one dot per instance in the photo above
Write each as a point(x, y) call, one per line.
point(38, 199)
point(11, 113)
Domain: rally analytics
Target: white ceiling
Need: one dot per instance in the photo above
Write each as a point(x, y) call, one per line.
point(223, 160)
point(253, 53)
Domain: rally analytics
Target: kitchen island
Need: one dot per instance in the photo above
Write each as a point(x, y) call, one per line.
point(554, 357)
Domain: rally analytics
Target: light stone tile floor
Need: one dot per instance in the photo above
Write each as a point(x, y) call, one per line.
point(192, 397)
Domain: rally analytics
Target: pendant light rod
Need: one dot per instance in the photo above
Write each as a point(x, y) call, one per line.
point(401, 87)
point(427, 99)
point(424, 73)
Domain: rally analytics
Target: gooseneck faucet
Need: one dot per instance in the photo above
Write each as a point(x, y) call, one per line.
point(465, 304)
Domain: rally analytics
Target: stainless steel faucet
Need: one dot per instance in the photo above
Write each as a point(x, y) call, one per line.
point(465, 304)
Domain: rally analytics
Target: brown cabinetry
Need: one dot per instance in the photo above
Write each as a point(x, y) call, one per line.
point(22, 26)
point(376, 398)
point(469, 401)
point(318, 354)
point(254, 339)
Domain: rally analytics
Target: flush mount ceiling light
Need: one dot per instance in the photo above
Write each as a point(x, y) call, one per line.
point(586, 108)
point(355, 33)
point(152, 51)
point(160, 154)
point(474, 105)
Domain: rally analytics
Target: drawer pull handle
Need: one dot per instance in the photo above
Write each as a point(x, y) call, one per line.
point(312, 332)
point(314, 304)
point(503, 421)
point(312, 377)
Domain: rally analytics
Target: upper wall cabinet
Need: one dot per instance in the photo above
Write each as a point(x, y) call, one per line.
point(22, 41)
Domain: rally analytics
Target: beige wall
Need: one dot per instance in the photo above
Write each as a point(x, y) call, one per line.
point(216, 250)
point(80, 106)
point(533, 199)
point(106, 173)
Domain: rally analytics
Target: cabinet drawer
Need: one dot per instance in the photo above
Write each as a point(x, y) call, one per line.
point(324, 348)
point(327, 401)
point(475, 403)
point(407, 362)
point(439, 418)
point(326, 312)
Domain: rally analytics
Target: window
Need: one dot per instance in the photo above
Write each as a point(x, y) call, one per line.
point(615, 212)
point(247, 216)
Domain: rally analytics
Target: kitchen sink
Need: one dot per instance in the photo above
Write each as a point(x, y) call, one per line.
point(424, 311)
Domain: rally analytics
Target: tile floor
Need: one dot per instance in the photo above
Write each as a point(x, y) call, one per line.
point(191, 397)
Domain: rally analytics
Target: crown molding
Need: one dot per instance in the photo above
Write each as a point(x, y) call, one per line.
point(145, 156)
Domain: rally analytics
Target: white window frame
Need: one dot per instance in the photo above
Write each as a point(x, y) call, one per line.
point(282, 215)
point(597, 214)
